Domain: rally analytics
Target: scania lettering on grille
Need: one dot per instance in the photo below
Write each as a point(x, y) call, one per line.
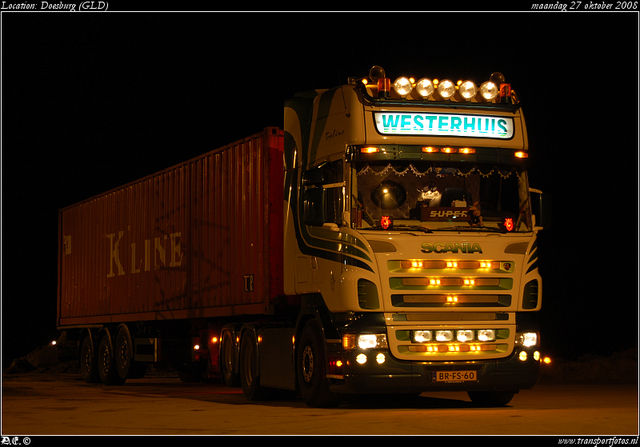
point(451, 247)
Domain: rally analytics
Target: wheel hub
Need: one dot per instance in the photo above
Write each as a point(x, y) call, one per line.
point(307, 364)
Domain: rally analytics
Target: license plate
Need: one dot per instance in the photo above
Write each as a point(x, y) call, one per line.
point(455, 376)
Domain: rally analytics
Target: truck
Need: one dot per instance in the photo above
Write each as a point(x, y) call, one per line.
point(384, 241)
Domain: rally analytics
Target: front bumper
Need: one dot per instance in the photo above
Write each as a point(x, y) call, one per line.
point(400, 376)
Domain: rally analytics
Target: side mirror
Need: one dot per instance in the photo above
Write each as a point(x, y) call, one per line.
point(540, 208)
point(314, 177)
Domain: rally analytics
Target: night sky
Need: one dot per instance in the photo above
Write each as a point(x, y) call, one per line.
point(91, 101)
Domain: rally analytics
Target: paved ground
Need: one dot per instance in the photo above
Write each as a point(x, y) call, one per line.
point(63, 404)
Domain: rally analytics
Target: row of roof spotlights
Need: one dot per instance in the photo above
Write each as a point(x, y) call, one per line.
point(445, 89)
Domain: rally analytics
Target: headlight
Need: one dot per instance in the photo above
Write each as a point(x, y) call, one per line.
point(372, 341)
point(526, 339)
point(364, 341)
point(402, 86)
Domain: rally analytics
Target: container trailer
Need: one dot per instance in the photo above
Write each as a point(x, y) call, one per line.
point(383, 241)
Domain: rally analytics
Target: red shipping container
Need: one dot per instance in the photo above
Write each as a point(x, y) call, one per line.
point(201, 239)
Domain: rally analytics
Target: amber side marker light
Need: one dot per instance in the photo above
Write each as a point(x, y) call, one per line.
point(521, 154)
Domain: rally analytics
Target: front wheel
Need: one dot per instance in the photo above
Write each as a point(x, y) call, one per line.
point(311, 369)
point(491, 398)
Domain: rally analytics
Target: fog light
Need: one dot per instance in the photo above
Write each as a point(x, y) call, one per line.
point(536, 356)
point(422, 336)
point(486, 335)
point(465, 335)
point(380, 358)
point(444, 335)
point(523, 355)
point(361, 359)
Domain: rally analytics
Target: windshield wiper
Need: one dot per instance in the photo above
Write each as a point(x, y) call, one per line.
point(412, 228)
point(489, 229)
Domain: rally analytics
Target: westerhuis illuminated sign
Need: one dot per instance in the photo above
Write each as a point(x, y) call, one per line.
point(444, 124)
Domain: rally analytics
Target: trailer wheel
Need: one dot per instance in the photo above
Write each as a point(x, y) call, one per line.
point(249, 374)
point(88, 363)
point(491, 398)
point(123, 353)
point(227, 360)
point(311, 364)
point(106, 363)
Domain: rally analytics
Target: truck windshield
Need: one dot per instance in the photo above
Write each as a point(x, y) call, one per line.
point(440, 197)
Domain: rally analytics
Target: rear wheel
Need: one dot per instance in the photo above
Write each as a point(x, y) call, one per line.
point(249, 371)
point(227, 360)
point(491, 398)
point(88, 363)
point(123, 353)
point(127, 367)
point(311, 369)
point(107, 364)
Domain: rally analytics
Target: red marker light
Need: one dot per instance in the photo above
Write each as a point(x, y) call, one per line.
point(386, 222)
point(505, 90)
point(508, 223)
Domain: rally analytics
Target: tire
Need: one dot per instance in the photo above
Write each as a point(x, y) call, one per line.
point(107, 364)
point(491, 398)
point(123, 353)
point(311, 369)
point(127, 367)
point(249, 373)
point(88, 363)
point(228, 361)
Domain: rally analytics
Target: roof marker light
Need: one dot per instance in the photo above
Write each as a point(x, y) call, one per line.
point(402, 86)
point(424, 87)
point(446, 88)
point(467, 90)
point(489, 90)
